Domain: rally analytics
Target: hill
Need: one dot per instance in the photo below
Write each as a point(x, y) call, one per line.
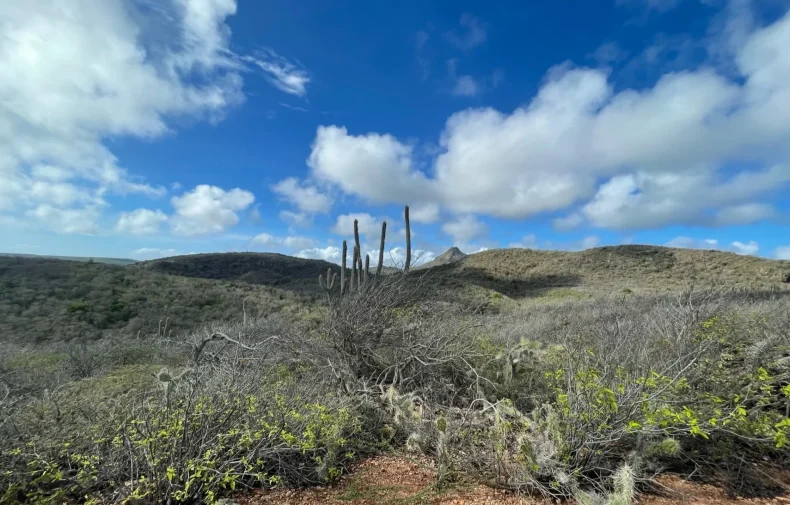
point(47, 299)
point(270, 269)
point(451, 255)
point(109, 261)
point(519, 272)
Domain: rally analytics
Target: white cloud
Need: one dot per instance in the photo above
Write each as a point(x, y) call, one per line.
point(281, 73)
point(396, 257)
point(208, 209)
point(693, 243)
point(746, 248)
point(426, 213)
point(465, 229)
point(140, 222)
point(698, 147)
point(65, 221)
point(590, 241)
point(568, 222)
point(295, 219)
point(782, 252)
point(265, 239)
point(746, 213)
point(474, 33)
point(645, 200)
point(367, 224)
point(329, 253)
point(750, 247)
point(298, 242)
point(121, 69)
point(112, 79)
point(290, 242)
point(149, 253)
point(307, 198)
point(376, 167)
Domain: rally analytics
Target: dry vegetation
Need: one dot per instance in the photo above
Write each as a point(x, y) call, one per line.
point(590, 398)
point(49, 300)
point(520, 273)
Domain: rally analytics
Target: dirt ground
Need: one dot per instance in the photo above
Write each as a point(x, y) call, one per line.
point(401, 481)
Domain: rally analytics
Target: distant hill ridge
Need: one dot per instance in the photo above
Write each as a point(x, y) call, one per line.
point(514, 270)
point(109, 261)
point(271, 269)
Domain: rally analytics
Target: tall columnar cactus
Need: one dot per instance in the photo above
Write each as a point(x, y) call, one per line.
point(360, 273)
point(331, 277)
point(356, 234)
point(408, 240)
point(354, 268)
point(357, 255)
point(359, 268)
point(343, 270)
point(381, 248)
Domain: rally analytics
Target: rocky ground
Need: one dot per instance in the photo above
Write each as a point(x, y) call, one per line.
point(402, 481)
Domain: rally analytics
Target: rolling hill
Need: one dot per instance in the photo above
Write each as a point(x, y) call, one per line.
point(109, 261)
point(520, 273)
point(45, 299)
point(269, 269)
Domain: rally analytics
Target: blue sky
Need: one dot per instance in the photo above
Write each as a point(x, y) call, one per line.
point(134, 128)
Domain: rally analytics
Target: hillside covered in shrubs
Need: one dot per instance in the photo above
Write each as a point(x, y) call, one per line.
point(586, 398)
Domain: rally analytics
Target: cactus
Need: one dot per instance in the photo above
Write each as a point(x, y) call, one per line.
point(357, 255)
point(343, 271)
point(408, 241)
point(360, 273)
point(354, 268)
point(359, 268)
point(381, 248)
point(330, 280)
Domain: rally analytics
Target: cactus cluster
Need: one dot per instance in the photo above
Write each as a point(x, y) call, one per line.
point(360, 273)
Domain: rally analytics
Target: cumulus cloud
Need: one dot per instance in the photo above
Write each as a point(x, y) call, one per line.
point(698, 147)
point(425, 213)
point(465, 229)
point(82, 221)
point(208, 210)
point(124, 69)
point(329, 253)
point(140, 222)
point(112, 79)
point(367, 224)
point(306, 197)
point(358, 164)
